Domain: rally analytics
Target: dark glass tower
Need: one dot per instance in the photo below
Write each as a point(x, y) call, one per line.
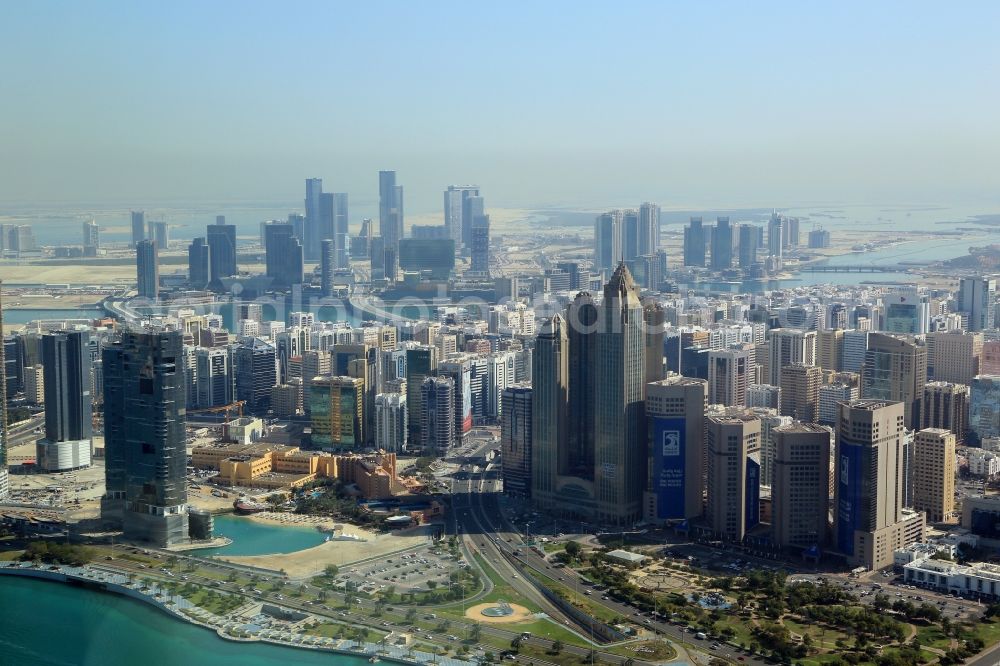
point(222, 253)
point(283, 255)
point(68, 399)
point(145, 445)
point(198, 264)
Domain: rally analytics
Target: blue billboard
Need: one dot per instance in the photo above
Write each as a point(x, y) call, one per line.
point(667, 449)
point(849, 488)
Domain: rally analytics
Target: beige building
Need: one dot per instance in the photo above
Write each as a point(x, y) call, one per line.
point(786, 346)
point(733, 473)
point(800, 391)
point(286, 399)
point(946, 405)
point(869, 521)
point(800, 490)
point(934, 473)
point(830, 349)
point(34, 384)
point(954, 356)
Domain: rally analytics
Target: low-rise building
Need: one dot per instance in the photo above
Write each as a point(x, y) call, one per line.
point(978, 579)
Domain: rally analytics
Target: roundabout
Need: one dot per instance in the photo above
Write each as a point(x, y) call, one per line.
point(498, 612)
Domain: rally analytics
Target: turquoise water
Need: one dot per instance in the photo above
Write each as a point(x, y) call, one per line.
point(54, 624)
point(24, 316)
point(253, 538)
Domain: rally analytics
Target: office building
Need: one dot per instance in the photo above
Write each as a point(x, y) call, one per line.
point(480, 251)
point(221, 254)
point(283, 256)
point(437, 415)
point(67, 386)
point(984, 408)
point(144, 439)
point(91, 237)
point(868, 504)
point(421, 363)
point(581, 324)
point(390, 220)
point(286, 399)
point(460, 371)
point(946, 406)
point(255, 369)
point(34, 384)
point(147, 268)
point(213, 377)
point(336, 413)
point(954, 356)
point(391, 429)
point(934, 473)
point(732, 492)
point(730, 372)
point(722, 244)
point(748, 239)
point(138, 227)
point(800, 489)
point(907, 311)
point(764, 395)
point(550, 452)
point(619, 420)
point(819, 239)
point(896, 369)
point(473, 206)
point(515, 440)
point(787, 346)
point(675, 408)
point(454, 205)
point(855, 350)
point(313, 220)
point(327, 266)
point(341, 230)
point(977, 299)
point(608, 250)
point(800, 391)
point(694, 243)
point(829, 397)
point(830, 349)
point(199, 272)
point(159, 231)
point(775, 240)
point(434, 257)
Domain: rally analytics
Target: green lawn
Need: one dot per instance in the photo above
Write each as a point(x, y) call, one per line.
point(826, 639)
point(646, 650)
point(501, 589)
point(932, 636)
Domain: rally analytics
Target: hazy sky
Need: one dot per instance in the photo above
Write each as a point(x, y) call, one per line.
point(541, 103)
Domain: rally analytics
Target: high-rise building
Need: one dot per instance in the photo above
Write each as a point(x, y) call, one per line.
point(775, 241)
point(608, 250)
point(619, 420)
point(286, 399)
point(868, 488)
point(145, 444)
point(649, 229)
point(977, 298)
point(255, 369)
point(654, 316)
point(68, 400)
point(391, 429)
point(336, 413)
point(421, 363)
point(147, 268)
point(214, 377)
point(91, 236)
point(694, 243)
point(4, 392)
point(341, 230)
point(946, 406)
point(954, 356)
point(454, 205)
point(990, 362)
point(830, 349)
point(199, 272)
point(855, 350)
point(629, 235)
point(896, 369)
point(732, 491)
point(730, 372)
point(748, 236)
point(283, 256)
point(315, 363)
point(138, 227)
point(34, 384)
point(222, 253)
point(390, 220)
point(480, 256)
point(907, 310)
point(160, 232)
point(984, 409)
point(722, 244)
point(829, 397)
point(473, 206)
point(549, 411)
point(934, 473)
point(437, 415)
point(327, 266)
point(580, 326)
point(764, 395)
point(312, 222)
point(460, 371)
point(515, 440)
point(787, 346)
point(675, 408)
point(800, 489)
point(800, 391)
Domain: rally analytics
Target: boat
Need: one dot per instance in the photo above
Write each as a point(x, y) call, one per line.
point(245, 506)
point(373, 659)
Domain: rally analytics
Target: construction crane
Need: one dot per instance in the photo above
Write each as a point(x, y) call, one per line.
point(237, 405)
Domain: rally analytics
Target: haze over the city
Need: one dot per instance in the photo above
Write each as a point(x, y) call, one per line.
point(558, 104)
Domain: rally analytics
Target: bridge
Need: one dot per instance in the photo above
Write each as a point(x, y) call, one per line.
point(854, 268)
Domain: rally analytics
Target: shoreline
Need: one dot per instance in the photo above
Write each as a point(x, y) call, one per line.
point(367, 650)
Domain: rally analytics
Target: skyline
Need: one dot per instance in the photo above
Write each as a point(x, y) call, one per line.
point(720, 105)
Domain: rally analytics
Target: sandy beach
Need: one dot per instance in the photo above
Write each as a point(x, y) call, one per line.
point(312, 561)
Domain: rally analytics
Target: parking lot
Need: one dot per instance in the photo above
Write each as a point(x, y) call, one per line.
point(414, 571)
